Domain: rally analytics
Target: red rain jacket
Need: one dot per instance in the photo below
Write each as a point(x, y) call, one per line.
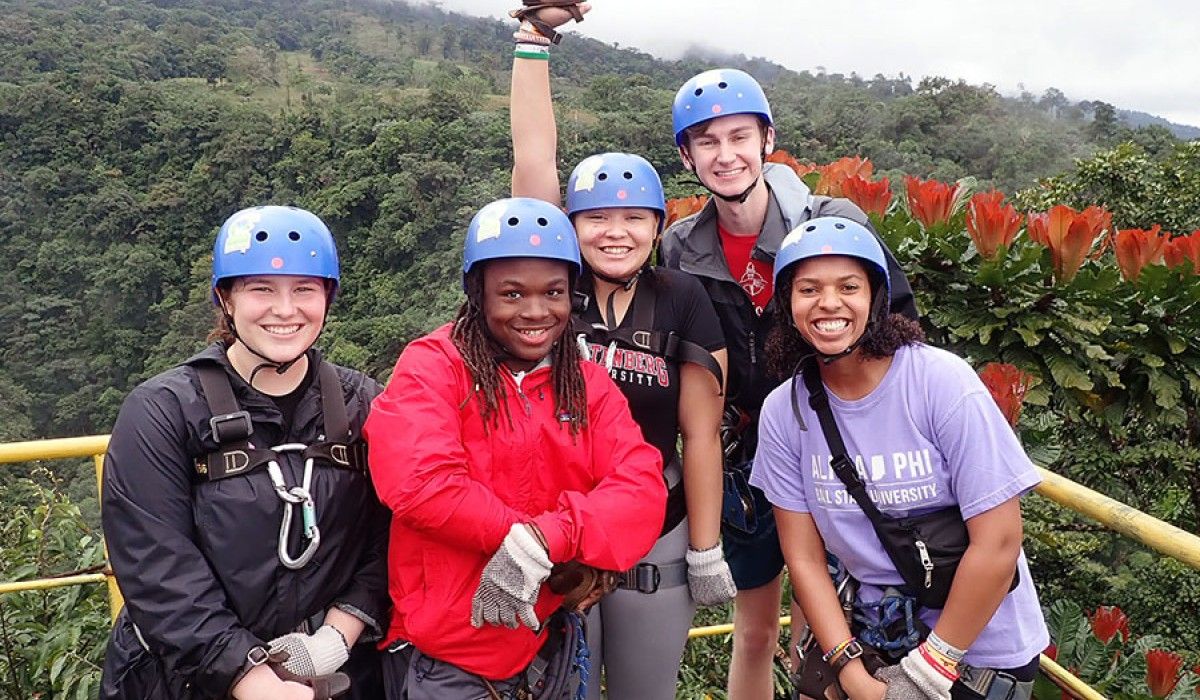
point(455, 490)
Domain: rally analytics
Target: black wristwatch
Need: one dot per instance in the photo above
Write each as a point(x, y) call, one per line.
point(852, 651)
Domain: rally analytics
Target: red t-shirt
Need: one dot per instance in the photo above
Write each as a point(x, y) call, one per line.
point(754, 275)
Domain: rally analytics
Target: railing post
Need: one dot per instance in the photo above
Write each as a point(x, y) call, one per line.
point(115, 601)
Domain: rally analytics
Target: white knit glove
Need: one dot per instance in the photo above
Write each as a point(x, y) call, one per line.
point(316, 654)
point(709, 578)
point(915, 678)
point(510, 582)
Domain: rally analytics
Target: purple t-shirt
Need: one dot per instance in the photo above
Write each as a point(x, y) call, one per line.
point(929, 436)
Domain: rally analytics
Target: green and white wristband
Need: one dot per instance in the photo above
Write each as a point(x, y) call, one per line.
point(535, 52)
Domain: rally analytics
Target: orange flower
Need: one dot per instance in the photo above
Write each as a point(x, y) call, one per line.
point(1162, 671)
point(871, 197)
point(835, 174)
point(1007, 385)
point(929, 201)
point(1183, 249)
point(683, 207)
point(1069, 235)
point(1137, 248)
point(1107, 621)
point(991, 223)
point(787, 159)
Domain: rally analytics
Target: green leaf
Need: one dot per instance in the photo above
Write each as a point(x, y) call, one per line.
point(1067, 374)
point(56, 667)
point(1167, 391)
point(1031, 338)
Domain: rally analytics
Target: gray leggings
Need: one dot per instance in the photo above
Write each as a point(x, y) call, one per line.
point(640, 637)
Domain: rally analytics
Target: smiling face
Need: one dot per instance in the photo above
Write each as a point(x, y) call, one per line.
point(830, 302)
point(617, 241)
point(727, 153)
point(280, 316)
point(526, 304)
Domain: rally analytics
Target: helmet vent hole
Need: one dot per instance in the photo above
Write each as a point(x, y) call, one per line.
point(628, 175)
point(542, 221)
point(722, 84)
point(810, 227)
point(602, 177)
point(261, 236)
point(293, 235)
point(839, 226)
point(699, 92)
point(513, 221)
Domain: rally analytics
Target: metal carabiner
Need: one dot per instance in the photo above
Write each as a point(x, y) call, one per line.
point(296, 495)
point(311, 532)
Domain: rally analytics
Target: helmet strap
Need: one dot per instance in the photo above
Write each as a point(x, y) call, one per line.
point(738, 198)
point(279, 367)
point(878, 309)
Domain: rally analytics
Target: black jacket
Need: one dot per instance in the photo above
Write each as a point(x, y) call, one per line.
point(694, 246)
point(196, 560)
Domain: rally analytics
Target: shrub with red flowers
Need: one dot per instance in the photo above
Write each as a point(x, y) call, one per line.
point(1102, 651)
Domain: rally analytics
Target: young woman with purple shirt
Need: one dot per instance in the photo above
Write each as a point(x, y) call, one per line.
point(925, 435)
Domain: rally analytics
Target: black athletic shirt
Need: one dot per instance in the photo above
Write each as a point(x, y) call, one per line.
point(288, 403)
point(650, 382)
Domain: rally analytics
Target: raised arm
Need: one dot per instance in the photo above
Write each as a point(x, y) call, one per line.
point(534, 134)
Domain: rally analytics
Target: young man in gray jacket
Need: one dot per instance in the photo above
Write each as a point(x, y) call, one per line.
point(724, 131)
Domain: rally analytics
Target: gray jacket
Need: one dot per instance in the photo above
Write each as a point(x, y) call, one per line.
point(694, 246)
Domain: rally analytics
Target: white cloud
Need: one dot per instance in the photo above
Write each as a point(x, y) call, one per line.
point(1135, 55)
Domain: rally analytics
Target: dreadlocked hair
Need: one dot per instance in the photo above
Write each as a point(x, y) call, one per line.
point(785, 346)
point(478, 351)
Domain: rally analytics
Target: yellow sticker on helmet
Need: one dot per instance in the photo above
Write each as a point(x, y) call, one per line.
point(237, 236)
point(489, 221)
point(585, 173)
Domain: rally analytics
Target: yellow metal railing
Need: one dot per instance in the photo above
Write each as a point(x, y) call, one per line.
point(92, 446)
point(1155, 534)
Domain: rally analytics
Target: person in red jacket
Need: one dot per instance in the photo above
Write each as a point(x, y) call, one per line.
point(501, 453)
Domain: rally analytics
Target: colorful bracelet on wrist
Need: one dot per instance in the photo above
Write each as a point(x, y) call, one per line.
point(836, 650)
point(944, 648)
point(536, 52)
point(938, 662)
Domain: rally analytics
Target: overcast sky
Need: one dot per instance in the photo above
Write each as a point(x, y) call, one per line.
point(1136, 55)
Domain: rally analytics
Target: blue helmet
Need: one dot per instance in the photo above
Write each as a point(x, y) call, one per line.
point(717, 93)
point(615, 180)
point(274, 240)
point(520, 227)
point(834, 235)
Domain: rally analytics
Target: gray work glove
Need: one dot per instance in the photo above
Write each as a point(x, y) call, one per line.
point(510, 582)
point(709, 578)
point(316, 654)
point(914, 678)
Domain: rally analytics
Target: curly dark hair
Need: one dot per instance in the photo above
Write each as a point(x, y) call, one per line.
point(479, 352)
point(785, 346)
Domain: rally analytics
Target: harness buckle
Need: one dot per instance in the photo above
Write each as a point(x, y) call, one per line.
point(231, 427)
point(641, 339)
point(643, 578)
point(340, 454)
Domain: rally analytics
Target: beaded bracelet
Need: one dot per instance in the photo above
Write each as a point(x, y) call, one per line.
point(838, 649)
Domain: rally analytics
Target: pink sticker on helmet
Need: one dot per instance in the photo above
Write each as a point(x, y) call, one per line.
point(716, 109)
point(276, 263)
point(826, 249)
point(535, 240)
point(622, 194)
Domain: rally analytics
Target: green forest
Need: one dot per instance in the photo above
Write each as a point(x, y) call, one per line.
point(130, 129)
